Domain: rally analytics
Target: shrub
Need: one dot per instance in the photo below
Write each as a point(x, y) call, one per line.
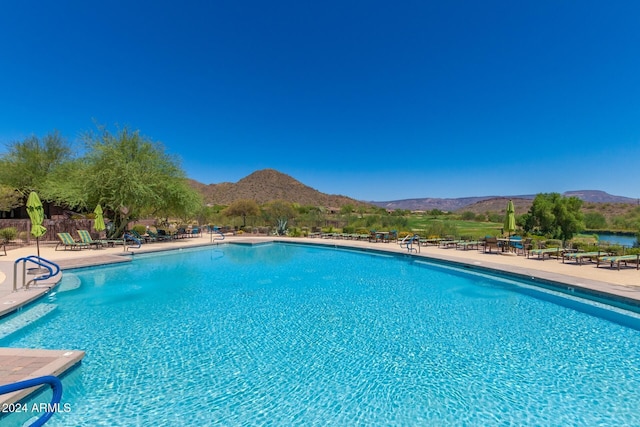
point(8, 234)
point(553, 243)
point(468, 216)
point(294, 232)
point(347, 229)
point(140, 229)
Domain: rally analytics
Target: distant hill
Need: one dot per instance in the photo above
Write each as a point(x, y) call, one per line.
point(466, 203)
point(427, 204)
point(499, 204)
point(267, 185)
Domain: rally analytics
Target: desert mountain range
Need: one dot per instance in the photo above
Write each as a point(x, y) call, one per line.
point(269, 184)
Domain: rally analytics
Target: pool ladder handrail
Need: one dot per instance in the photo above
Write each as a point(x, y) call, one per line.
point(52, 268)
point(56, 386)
point(128, 236)
point(408, 240)
point(213, 231)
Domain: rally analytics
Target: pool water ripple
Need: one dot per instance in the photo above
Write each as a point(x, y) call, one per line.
point(292, 335)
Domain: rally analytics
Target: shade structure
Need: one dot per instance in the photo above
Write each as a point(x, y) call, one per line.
point(510, 219)
point(36, 214)
point(98, 220)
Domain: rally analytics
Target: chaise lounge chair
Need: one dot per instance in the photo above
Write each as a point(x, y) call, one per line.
point(67, 242)
point(580, 256)
point(85, 237)
point(618, 259)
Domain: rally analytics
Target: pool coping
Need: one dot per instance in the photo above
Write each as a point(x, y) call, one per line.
point(18, 364)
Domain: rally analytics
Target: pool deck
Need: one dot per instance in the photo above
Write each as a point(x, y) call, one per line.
point(20, 364)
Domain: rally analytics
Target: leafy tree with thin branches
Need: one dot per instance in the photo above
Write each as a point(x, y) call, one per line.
point(133, 177)
point(29, 165)
point(243, 208)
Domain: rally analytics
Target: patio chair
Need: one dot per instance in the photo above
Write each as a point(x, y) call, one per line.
point(85, 237)
point(522, 246)
point(67, 242)
point(490, 243)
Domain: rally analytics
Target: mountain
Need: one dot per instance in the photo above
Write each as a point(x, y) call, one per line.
point(599, 197)
point(267, 185)
point(427, 204)
point(451, 205)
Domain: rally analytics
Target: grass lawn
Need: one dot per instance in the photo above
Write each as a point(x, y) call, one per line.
point(419, 223)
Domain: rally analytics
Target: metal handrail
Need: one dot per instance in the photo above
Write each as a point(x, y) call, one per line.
point(133, 239)
point(408, 240)
point(56, 386)
point(52, 267)
point(216, 231)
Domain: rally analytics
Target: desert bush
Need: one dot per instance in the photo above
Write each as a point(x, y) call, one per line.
point(468, 216)
point(553, 243)
point(140, 229)
point(8, 234)
point(295, 232)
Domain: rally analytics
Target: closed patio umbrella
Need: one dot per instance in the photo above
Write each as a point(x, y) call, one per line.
point(98, 220)
point(510, 220)
point(36, 214)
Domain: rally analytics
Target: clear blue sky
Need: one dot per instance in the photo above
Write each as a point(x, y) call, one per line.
point(375, 100)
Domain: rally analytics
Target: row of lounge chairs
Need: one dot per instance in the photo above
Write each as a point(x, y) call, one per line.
point(513, 244)
point(373, 236)
point(66, 241)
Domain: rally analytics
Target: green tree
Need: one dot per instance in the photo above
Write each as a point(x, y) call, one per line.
point(279, 213)
point(595, 221)
point(555, 216)
point(468, 216)
point(28, 165)
point(133, 177)
point(9, 198)
point(243, 208)
point(347, 209)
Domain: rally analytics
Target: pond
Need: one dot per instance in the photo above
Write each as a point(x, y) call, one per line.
point(617, 239)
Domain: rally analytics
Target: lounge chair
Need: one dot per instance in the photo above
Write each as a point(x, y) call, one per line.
point(619, 259)
point(163, 235)
point(549, 252)
point(67, 242)
point(580, 256)
point(157, 237)
point(85, 237)
point(138, 236)
point(468, 244)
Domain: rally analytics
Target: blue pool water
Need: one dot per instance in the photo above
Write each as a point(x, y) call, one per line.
point(288, 335)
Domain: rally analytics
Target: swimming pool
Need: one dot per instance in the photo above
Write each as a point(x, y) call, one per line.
point(283, 334)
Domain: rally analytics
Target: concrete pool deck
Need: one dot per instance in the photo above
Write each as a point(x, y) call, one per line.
point(623, 284)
